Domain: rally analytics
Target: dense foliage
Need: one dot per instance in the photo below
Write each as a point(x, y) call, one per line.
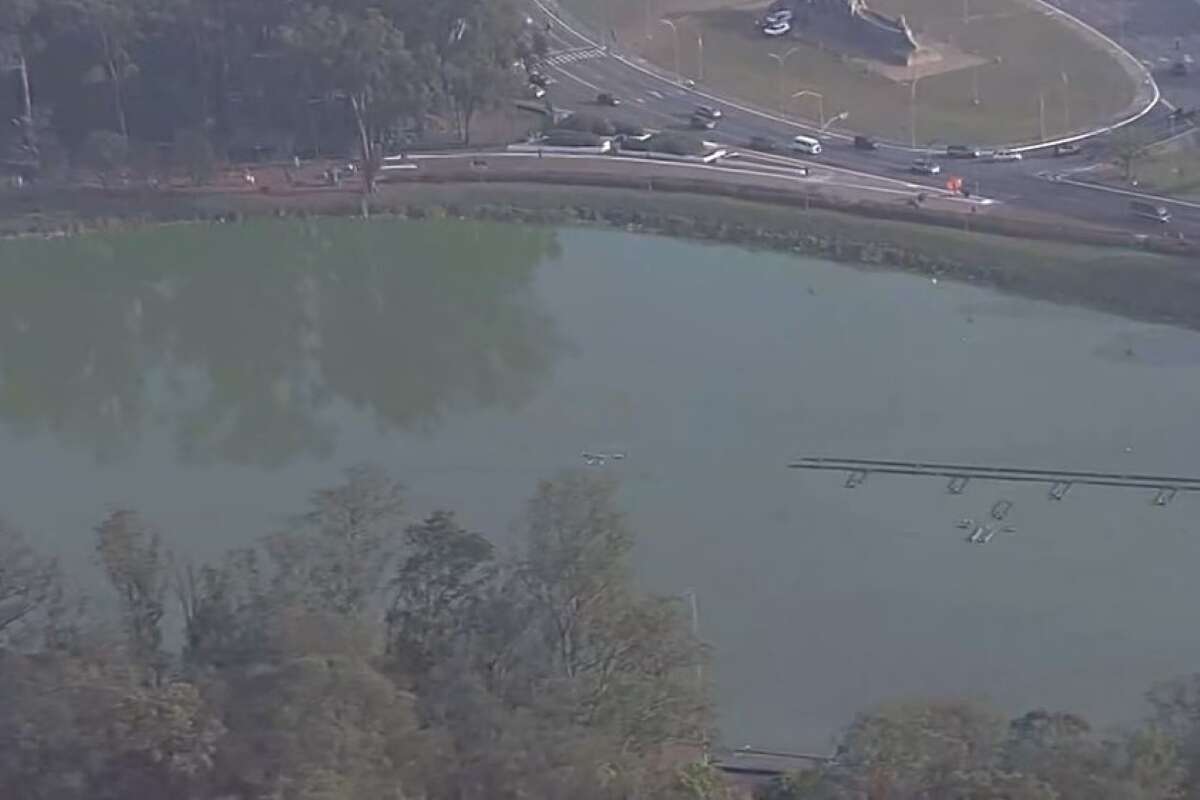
point(359, 653)
point(354, 654)
point(92, 80)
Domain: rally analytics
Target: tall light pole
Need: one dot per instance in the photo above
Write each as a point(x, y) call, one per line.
point(912, 109)
point(690, 594)
point(838, 117)
point(781, 59)
point(820, 104)
point(1042, 114)
point(675, 39)
point(700, 56)
point(1066, 101)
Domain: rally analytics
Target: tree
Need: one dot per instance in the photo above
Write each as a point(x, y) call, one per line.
point(18, 37)
point(335, 556)
point(194, 152)
point(317, 726)
point(228, 612)
point(481, 44)
point(436, 592)
point(360, 59)
point(1128, 146)
point(133, 559)
point(910, 749)
point(576, 559)
point(113, 25)
point(30, 590)
point(106, 153)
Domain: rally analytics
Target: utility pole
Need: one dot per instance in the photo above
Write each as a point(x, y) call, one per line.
point(1042, 114)
point(700, 56)
point(675, 39)
point(912, 109)
point(975, 85)
point(820, 105)
point(690, 594)
point(1066, 102)
point(781, 60)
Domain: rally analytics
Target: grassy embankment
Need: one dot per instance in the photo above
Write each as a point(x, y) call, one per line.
point(1128, 282)
point(1026, 54)
point(1174, 172)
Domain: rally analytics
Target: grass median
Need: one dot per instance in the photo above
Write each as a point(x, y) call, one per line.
point(1032, 73)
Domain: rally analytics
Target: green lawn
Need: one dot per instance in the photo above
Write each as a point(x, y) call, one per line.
point(1175, 173)
point(1027, 53)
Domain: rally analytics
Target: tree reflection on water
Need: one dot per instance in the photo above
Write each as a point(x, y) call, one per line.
point(241, 340)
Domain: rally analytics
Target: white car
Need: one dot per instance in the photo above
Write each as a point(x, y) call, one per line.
point(782, 15)
point(777, 28)
point(1006, 155)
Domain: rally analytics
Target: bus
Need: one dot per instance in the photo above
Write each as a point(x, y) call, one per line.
point(806, 144)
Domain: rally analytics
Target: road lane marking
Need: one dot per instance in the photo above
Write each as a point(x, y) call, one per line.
point(1114, 190)
point(693, 166)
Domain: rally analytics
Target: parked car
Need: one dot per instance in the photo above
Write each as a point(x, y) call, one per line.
point(708, 112)
point(1006, 155)
point(1067, 149)
point(925, 166)
point(865, 143)
point(1150, 211)
point(538, 79)
point(763, 144)
point(777, 28)
point(962, 151)
point(702, 123)
point(606, 99)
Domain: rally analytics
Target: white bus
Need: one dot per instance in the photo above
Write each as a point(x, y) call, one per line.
point(806, 144)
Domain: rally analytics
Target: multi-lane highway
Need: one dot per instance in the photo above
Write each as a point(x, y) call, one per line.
point(580, 69)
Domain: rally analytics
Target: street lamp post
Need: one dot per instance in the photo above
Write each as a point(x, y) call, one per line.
point(912, 109)
point(690, 594)
point(781, 59)
point(838, 117)
point(1066, 102)
point(1042, 114)
point(700, 56)
point(820, 104)
point(675, 39)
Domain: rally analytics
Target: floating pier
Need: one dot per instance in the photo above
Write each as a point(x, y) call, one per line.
point(958, 475)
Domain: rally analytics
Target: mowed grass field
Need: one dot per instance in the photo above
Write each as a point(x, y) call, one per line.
point(1026, 54)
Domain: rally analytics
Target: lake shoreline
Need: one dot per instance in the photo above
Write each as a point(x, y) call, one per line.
point(1128, 282)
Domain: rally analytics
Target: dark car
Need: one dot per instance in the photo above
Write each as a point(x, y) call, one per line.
point(925, 166)
point(962, 151)
point(1180, 68)
point(538, 79)
point(763, 143)
point(606, 99)
point(708, 112)
point(865, 143)
point(1067, 149)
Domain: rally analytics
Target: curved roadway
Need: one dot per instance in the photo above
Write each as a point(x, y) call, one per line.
point(1041, 183)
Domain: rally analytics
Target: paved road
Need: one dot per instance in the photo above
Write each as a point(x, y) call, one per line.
point(580, 70)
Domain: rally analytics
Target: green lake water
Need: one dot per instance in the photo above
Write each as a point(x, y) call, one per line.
point(212, 376)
